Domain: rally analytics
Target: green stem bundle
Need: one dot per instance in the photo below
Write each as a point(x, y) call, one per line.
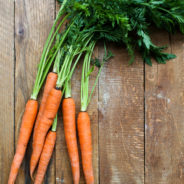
point(85, 77)
point(45, 64)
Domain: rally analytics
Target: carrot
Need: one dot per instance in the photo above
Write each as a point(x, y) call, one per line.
point(45, 156)
point(83, 121)
point(25, 132)
point(50, 83)
point(68, 108)
point(49, 113)
point(84, 133)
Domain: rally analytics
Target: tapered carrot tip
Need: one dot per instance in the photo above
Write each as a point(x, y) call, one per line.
point(32, 168)
point(76, 180)
point(31, 175)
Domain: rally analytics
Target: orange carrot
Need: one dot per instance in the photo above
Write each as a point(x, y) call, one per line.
point(50, 83)
point(68, 108)
point(25, 133)
point(84, 133)
point(49, 113)
point(45, 157)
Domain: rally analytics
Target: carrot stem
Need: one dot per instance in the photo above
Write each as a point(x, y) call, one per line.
point(85, 77)
point(42, 72)
point(54, 125)
point(68, 92)
point(86, 72)
point(57, 62)
point(43, 61)
point(80, 54)
point(93, 88)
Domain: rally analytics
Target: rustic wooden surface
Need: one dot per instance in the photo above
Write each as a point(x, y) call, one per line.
point(7, 87)
point(137, 111)
point(164, 107)
point(121, 120)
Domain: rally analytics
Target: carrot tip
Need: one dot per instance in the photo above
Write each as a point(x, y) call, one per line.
point(31, 175)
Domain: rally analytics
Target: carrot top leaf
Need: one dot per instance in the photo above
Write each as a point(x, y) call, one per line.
point(128, 22)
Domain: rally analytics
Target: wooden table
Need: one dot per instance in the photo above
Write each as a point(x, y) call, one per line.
point(137, 111)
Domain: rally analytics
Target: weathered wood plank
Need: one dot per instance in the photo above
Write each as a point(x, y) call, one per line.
point(177, 109)
point(7, 87)
point(121, 120)
point(33, 20)
point(164, 116)
point(63, 168)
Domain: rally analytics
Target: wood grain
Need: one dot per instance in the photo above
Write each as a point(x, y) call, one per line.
point(121, 120)
point(7, 87)
point(33, 20)
point(164, 116)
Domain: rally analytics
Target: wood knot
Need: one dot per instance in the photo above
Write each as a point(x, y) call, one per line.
point(21, 31)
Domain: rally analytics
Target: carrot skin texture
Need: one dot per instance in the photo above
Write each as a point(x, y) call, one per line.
point(68, 108)
point(50, 111)
point(85, 140)
point(28, 120)
point(50, 84)
point(45, 157)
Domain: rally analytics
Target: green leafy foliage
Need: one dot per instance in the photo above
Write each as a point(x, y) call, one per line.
point(60, 1)
point(107, 55)
point(126, 22)
point(96, 62)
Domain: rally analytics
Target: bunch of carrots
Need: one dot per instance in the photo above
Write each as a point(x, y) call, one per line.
point(86, 22)
point(62, 51)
